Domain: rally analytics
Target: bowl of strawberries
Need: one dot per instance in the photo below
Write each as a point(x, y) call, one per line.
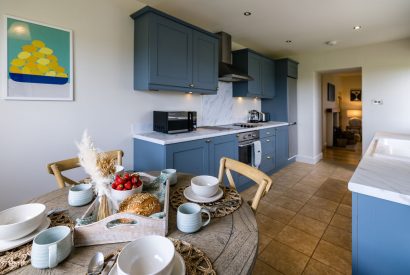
point(125, 185)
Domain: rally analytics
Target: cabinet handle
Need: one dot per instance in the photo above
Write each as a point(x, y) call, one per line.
point(268, 140)
point(208, 141)
point(191, 85)
point(268, 157)
point(268, 133)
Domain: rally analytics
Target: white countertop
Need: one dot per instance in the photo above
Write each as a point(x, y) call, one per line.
point(383, 177)
point(200, 133)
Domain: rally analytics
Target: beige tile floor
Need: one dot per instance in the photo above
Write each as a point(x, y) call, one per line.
point(305, 221)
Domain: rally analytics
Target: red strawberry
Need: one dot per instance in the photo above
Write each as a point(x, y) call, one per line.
point(134, 179)
point(126, 176)
point(119, 181)
point(117, 177)
point(114, 186)
point(128, 186)
point(120, 187)
point(139, 183)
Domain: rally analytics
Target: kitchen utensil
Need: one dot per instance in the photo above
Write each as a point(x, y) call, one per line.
point(51, 247)
point(96, 264)
point(265, 117)
point(189, 218)
point(19, 221)
point(7, 245)
point(110, 264)
point(254, 116)
point(192, 196)
point(171, 174)
point(147, 255)
point(80, 194)
point(205, 186)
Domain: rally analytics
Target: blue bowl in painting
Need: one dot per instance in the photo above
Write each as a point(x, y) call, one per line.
point(38, 79)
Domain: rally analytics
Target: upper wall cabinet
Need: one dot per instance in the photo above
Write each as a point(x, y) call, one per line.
point(260, 68)
point(170, 54)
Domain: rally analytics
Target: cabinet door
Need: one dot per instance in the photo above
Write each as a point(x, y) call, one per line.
point(292, 116)
point(254, 70)
point(282, 148)
point(205, 61)
point(171, 53)
point(267, 78)
point(219, 147)
point(188, 157)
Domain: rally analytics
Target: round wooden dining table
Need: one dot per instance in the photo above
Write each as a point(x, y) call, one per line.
point(230, 242)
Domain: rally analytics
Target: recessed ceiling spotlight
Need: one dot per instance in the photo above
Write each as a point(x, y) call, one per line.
point(356, 28)
point(247, 13)
point(288, 41)
point(331, 42)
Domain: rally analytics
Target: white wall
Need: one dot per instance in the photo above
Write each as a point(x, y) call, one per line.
point(35, 133)
point(385, 76)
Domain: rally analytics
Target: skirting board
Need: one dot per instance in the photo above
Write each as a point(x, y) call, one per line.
point(308, 159)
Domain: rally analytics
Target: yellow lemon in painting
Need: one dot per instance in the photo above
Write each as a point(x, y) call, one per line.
point(18, 62)
point(52, 57)
point(29, 48)
point(32, 59)
point(59, 69)
point(43, 61)
point(24, 55)
point(62, 75)
point(53, 65)
point(38, 55)
point(51, 73)
point(31, 65)
point(15, 70)
point(35, 72)
point(38, 43)
point(42, 68)
point(46, 51)
point(26, 70)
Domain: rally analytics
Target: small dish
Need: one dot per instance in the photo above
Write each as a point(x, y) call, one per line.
point(7, 245)
point(178, 269)
point(191, 196)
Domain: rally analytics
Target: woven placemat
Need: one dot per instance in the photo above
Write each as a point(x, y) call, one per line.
point(230, 201)
point(196, 262)
point(21, 256)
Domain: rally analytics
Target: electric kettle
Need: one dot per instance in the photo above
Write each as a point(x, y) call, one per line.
point(254, 116)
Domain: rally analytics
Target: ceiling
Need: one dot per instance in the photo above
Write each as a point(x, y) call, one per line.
point(308, 23)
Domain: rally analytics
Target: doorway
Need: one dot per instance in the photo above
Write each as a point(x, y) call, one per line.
point(342, 115)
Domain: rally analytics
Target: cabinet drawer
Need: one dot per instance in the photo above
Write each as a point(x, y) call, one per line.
point(266, 132)
point(267, 163)
point(268, 145)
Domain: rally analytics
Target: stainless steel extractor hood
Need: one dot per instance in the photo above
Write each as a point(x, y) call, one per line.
point(227, 72)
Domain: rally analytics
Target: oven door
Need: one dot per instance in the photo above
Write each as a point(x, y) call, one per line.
point(246, 153)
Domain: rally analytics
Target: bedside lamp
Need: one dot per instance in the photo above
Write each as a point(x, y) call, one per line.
point(354, 113)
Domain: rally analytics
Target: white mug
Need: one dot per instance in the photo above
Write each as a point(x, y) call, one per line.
point(51, 247)
point(171, 174)
point(189, 218)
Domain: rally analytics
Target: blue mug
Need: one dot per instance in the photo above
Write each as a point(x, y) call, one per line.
point(189, 217)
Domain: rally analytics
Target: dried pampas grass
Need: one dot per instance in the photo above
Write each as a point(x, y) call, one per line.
point(106, 164)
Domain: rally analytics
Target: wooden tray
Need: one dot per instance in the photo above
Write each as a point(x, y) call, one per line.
point(102, 233)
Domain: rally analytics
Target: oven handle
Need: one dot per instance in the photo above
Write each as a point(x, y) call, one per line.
point(244, 145)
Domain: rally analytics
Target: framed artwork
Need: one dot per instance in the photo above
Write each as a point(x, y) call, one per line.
point(355, 95)
point(39, 61)
point(331, 92)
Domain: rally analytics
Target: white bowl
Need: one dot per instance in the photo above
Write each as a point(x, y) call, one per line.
point(119, 170)
point(80, 194)
point(19, 221)
point(120, 195)
point(148, 255)
point(205, 186)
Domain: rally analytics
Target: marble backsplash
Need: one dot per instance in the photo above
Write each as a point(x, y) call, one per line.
point(222, 108)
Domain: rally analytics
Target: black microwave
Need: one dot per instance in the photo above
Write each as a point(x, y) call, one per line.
point(174, 122)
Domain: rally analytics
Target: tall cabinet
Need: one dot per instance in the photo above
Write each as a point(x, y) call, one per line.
point(283, 106)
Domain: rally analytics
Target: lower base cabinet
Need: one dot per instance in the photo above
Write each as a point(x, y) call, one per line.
point(282, 146)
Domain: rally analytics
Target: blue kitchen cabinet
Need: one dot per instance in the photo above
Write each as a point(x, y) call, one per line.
point(282, 146)
point(260, 68)
point(197, 157)
point(380, 236)
point(170, 54)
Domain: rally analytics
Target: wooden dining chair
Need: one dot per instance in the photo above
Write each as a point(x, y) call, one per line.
point(264, 181)
point(56, 168)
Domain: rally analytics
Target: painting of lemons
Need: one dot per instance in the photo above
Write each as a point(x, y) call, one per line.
point(39, 61)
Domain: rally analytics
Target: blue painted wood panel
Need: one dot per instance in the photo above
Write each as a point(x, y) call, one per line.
point(254, 70)
point(205, 61)
point(282, 146)
point(268, 132)
point(267, 78)
point(188, 157)
point(268, 163)
point(268, 145)
point(380, 236)
point(148, 156)
point(171, 53)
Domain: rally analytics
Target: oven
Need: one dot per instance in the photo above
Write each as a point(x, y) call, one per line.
point(246, 147)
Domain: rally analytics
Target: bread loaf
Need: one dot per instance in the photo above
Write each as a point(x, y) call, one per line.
point(144, 204)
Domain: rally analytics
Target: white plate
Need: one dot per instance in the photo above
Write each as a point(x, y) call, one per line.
point(178, 269)
point(190, 195)
point(6, 245)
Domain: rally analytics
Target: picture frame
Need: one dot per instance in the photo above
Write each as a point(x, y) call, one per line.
point(355, 95)
point(38, 61)
point(331, 92)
